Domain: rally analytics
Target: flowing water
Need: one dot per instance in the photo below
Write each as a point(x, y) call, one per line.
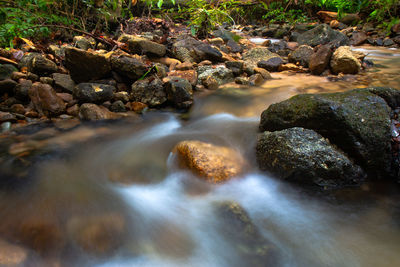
point(124, 183)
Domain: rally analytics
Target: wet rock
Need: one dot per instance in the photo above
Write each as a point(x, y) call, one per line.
point(93, 92)
point(210, 83)
point(301, 55)
point(215, 164)
point(63, 82)
point(263, 72)
point(190, 75)
point(22, 88)
point(343, 61)
point(41, 65)
point(216, 41)
point(220, 73)
point(149, 91)
point(86, 66)
point(46, 80)
point(12, 255)
point(271, 64)
point(122, 96)
point(234, 47)
point(192, 50)
point(256, 79)
point(184, 66)
point(118, 106)
point(255, 55)
point(128, 67)
point(388, 42)
point(225, 35)
point(7, 117)
point(292, 67)
point(356, 121)
point(242, 80)
point(237, 227)
point(98, 234)
point(46, 100)
point(323, 34)
point(84, 43)
point(358, 38)
point(303, 156)
point(139, 107)
point(93, 112)
point(319, 61)
point(18, 75)
point(7, 86)
point(17, 108)
point(235, 66)
point(41, 234)
point(140, 46)
point(6, 71)
point(179, 92)
point(73, 110)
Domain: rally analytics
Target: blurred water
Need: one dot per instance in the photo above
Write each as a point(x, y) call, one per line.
point(167, 215)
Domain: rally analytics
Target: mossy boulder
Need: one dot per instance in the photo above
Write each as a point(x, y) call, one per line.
point(303, 156)
point(323, 34)
point(357, 121)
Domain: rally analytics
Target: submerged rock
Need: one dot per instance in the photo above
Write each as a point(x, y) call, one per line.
point(215, 164)
point(303, 156)
point(237, 227)
point(98, 234)
point(357, 121)
point(93, 112)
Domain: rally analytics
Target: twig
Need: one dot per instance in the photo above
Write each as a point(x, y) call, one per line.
point(112, 44)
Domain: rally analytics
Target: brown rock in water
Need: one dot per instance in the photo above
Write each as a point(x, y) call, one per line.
point(215, 164)
point(46, 100)
point(292, 67)
point(85, 66)
point(90, 111)
point(99, 234)
point(319, 61)
point(12, 255)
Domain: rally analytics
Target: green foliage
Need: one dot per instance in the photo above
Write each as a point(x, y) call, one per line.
point(21, 19)
point(276, 13)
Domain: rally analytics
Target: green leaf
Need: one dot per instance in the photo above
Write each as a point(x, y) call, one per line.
point(160, 3)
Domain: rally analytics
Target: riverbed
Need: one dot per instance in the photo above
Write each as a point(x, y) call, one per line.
point(125, 174)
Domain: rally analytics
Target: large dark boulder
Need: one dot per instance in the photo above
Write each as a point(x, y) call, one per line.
point(357, 121)
point(301, 55)
point(303, 156)
point(93, 92)
point(323, 34)
point(140, 46)
point(86, 66)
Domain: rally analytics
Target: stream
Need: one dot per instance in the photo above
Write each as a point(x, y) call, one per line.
point(154, 213)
